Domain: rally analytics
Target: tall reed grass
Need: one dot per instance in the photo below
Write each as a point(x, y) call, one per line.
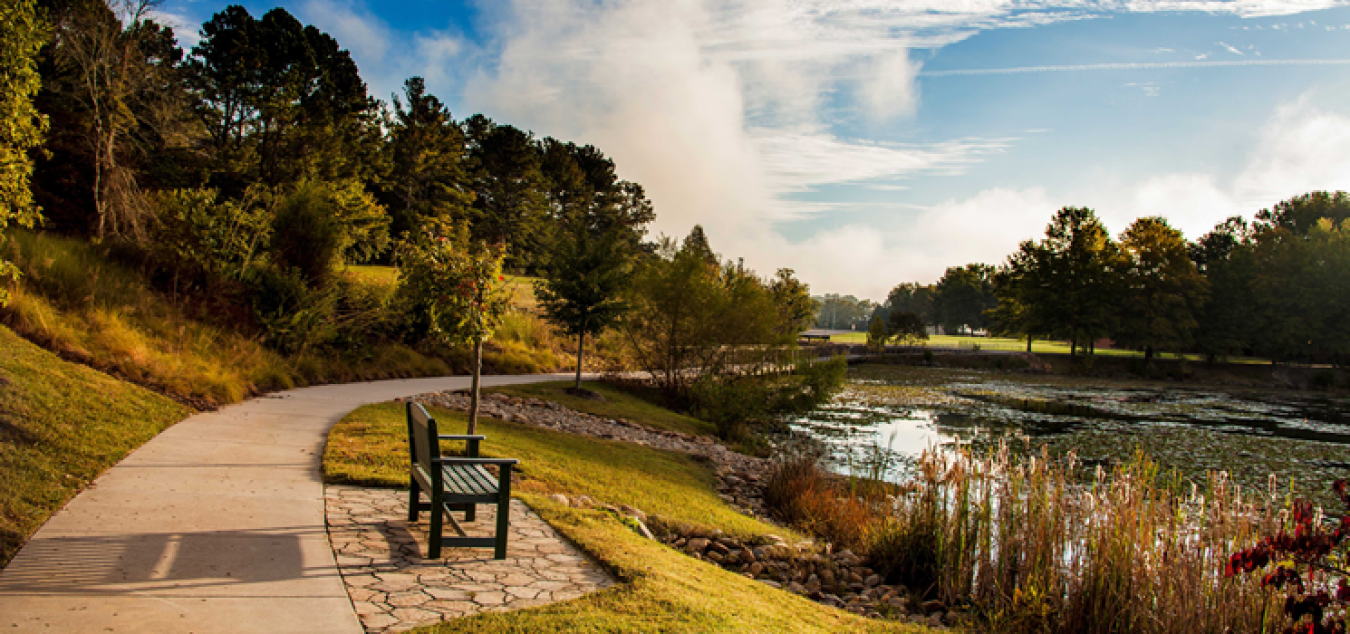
point(1028, 543)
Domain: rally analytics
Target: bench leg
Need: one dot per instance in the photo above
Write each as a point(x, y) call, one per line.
point(434, 533)
point(503, 511)
point(414, 498)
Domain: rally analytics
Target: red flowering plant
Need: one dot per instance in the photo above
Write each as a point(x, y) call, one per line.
point(1310, 567)
point(457, 289)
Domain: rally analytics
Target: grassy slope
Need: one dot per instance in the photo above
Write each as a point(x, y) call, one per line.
point(75, 301)
point(61, 425)
point(662, 590)
point(617, 404)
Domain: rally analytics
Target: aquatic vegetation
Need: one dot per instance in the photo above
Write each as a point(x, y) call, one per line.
point(1303, 439)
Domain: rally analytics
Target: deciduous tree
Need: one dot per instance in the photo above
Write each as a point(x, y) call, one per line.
point(21, 125)
point(457, 283)
point(1163, 292)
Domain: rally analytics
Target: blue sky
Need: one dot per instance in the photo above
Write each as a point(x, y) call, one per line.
point(868, 142)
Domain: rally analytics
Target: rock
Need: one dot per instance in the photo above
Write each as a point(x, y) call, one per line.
point(583, 502)
point(631, 511)
point(719, 548)
point(696, 545)
point(560, 499)
point(642, 528)
point(935, 619)
point(748, 556)
point(714, 556)
point(813, 584)
point(755, 569)
point(772, 539)
point(930, 607)
point(872, 581)
point(771, 583)
point(796, 588)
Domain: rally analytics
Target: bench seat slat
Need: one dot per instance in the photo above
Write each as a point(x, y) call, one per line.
point(470, 480)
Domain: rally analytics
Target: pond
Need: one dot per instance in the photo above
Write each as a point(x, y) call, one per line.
point(889, 414)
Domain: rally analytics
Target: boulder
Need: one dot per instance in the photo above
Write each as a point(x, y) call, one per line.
point(696, 545)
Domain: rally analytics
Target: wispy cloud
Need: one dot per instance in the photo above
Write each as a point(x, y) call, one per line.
point(1200, 62)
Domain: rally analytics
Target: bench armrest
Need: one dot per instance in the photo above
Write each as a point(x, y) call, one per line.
point(460, 437)
point(497, 461)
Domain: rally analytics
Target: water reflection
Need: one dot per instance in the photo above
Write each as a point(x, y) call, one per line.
point(1306, 439)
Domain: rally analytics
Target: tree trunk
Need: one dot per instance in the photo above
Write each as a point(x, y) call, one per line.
point(1028, 344)
point(1073, 347)
point(473, 391)
point(581, 343)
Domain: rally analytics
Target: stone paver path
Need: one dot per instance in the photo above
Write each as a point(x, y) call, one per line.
point(393, 588)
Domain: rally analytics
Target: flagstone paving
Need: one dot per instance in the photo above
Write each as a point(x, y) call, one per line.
point(393, 588)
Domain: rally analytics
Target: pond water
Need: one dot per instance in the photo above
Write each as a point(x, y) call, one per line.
point(894, 413)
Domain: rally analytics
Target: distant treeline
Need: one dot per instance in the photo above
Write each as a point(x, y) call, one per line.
point(1277, 286)
point(261, 107)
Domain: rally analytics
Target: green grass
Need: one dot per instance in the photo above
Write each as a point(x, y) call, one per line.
point(384, 275)
point(617, 404)
point(370, 447)
point(1039, 346)
point(661, 590)
point(521, 287)
point(61, 425)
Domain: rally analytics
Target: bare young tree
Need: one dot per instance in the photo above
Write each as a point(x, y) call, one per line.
point(109, 52)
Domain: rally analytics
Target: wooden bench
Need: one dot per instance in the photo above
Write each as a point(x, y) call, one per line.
point(454, 484)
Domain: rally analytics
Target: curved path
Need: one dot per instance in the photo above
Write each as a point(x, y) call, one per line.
point(215, 525)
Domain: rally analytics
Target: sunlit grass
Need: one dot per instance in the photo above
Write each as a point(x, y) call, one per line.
point(73, 300)
point(61, 425)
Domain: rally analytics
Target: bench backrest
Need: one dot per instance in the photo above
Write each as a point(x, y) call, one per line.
point(423, 444)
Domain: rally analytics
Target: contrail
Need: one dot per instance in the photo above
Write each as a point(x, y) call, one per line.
point(1133, 66)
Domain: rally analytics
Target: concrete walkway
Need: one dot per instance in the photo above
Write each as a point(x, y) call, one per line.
point(215, 525)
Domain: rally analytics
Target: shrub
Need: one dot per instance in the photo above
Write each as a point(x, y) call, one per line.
point(306, 234)
point(197, 233)
point(1305, 548)
point(735, 403)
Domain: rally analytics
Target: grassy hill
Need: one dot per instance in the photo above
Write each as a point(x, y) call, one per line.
point(61, 425)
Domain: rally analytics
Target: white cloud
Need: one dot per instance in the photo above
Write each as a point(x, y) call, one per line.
point(886, 88)
point(1302, 148)
point(185, 28)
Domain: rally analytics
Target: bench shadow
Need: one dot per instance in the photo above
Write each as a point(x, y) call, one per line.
point(151, 561)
